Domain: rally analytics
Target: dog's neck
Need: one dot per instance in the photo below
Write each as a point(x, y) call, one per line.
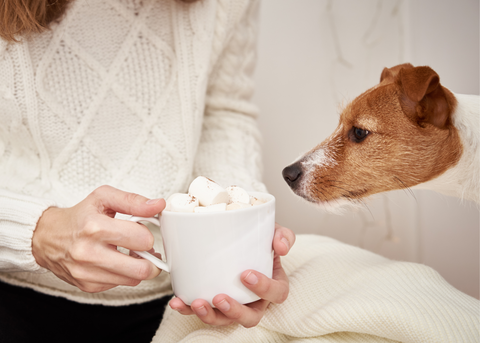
point(463, 180)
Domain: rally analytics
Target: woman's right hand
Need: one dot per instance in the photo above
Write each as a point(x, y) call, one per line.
point(79, 244)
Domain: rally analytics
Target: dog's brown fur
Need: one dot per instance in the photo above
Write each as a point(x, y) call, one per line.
point(408, 117)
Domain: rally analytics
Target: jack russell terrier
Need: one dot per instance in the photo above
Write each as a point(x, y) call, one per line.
point(407, 131)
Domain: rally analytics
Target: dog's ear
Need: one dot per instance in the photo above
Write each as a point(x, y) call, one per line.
point(424, 98)
point(389, 74)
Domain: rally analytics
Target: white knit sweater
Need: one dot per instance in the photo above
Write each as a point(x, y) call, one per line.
point(139, 95)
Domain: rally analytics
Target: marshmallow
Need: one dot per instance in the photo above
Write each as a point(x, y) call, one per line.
point(169, 200)
point(237, 194)
point(237, 206)
point(183, 203)
point(207, 191)
point(211, 208)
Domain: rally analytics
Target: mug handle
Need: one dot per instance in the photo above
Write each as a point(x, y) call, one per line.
point(146, 255)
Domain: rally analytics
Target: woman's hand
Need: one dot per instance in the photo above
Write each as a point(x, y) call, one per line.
point(273, 290)
point(79, 244)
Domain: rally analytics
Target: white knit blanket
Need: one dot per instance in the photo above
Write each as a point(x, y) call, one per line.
point(340, 293)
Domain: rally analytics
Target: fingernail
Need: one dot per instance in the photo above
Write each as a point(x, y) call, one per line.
point(223, 305)
point(152, 201)
point(285, 241)
point(201, 311)
point(251, 278)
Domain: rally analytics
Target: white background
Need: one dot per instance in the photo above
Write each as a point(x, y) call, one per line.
point(315, 56)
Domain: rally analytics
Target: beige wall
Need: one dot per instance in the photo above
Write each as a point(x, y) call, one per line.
point(314, 55)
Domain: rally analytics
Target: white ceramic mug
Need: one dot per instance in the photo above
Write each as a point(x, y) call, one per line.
point(207, 252)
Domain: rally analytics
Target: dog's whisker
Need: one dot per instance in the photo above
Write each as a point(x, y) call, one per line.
point(405, 188)
point(366, 206)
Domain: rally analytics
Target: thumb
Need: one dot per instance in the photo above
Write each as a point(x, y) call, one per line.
point(110, 198)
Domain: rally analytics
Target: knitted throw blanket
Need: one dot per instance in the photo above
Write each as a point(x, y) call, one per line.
point(340, 293)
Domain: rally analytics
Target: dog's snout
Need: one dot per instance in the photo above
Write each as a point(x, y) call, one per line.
point(292, 174)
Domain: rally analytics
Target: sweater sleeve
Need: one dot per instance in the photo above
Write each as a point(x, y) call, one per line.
point(19, 215)
point(229, 151)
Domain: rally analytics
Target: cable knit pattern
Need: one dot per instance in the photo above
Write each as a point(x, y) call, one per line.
point(225, 118)
point(340, 294)
point(140, 95)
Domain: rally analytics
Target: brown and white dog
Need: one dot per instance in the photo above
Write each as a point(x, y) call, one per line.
point(407, 131)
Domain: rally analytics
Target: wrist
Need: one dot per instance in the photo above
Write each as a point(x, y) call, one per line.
point(45, 224)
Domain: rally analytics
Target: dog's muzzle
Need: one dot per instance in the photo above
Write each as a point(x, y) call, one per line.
point(292, 174)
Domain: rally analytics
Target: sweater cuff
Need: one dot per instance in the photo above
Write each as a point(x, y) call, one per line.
point(19, 215)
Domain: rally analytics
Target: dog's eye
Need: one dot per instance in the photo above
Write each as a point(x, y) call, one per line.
point(357, 135)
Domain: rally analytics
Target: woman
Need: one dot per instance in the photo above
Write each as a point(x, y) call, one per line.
point(141, 96)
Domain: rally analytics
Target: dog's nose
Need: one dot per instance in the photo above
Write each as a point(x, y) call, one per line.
point(292, 174)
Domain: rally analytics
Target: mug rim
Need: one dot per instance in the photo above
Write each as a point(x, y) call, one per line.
point(216, 213)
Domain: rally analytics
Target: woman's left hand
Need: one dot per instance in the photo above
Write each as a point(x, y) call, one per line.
point(229, 311)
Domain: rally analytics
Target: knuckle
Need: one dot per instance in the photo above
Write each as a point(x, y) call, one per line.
point(80, 252)
point(75, 253)
point(78, 273)
point(235, 316)
point(131, 198)
point(251, 324)
point(265, 287)
point(91, 230)
point(98, 192)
